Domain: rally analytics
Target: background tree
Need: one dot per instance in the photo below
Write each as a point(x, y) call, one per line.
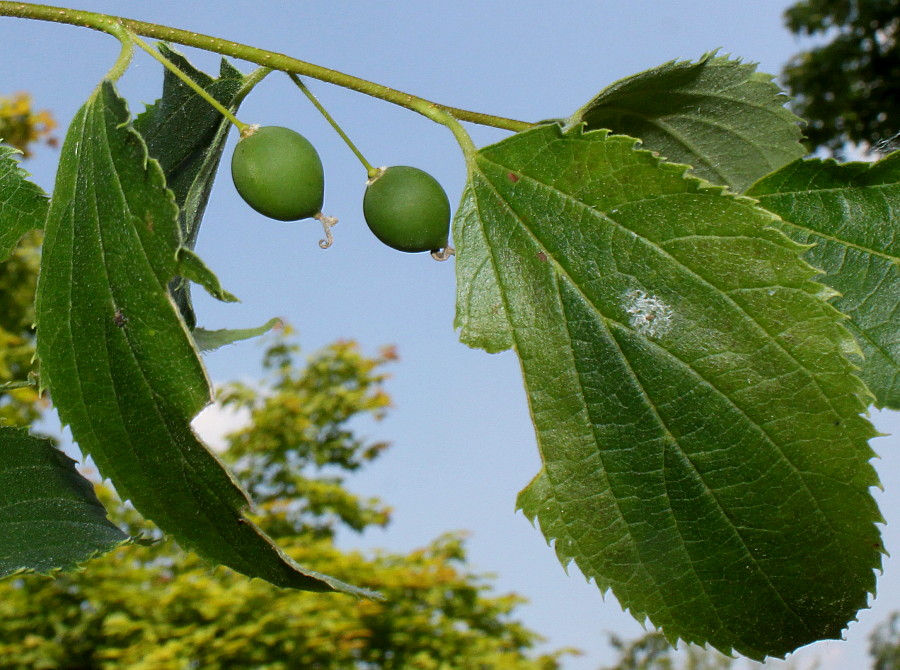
point(885, 644)
point(847, 89)
point(20, 127)
point(152, 605)
point(159, 607)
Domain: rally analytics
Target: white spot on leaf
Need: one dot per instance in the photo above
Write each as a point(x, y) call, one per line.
point(647, 314)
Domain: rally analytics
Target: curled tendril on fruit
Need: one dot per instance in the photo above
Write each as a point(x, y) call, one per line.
point(328, 222)
point(443, 254)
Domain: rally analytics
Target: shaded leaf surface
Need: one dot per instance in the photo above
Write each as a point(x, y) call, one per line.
point(121, 366)
point(719, 115)
point(851, 213)
point(187, 136)
point(50, 518)
point(23, 205)
point(698, 421)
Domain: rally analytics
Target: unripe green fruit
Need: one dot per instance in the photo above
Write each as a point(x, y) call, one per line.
point(278, 173)
point(408, 210)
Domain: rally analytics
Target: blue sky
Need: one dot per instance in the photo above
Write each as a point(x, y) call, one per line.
point(463, 445)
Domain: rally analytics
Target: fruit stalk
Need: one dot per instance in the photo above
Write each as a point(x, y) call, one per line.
point(370, 170)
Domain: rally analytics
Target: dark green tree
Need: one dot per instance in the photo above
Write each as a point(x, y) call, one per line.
point(848, 88)
point(884, 645)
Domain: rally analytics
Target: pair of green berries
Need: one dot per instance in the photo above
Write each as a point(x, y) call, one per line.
point(278, 173)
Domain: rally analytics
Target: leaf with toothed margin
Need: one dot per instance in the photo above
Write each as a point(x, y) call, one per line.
point(23, 205)
point(719, 115)
point(50, 518)
point(850, 213)
point(187, 136)
point(697, 416)
point(120, 364)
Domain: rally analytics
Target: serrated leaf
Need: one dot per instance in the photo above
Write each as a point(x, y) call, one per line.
point(850, 213)
point(187, 136)
point(699, 424)
point(718, 115)
point(210, 340)
point(50, 518)
point(117, 358)
point(23, 205)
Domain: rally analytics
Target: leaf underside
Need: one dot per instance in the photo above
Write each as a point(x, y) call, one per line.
point(118, 359)
point(187, 136)
point(50, 518)
point(719, 115)
point(210, 340)
point(851, 213)
point(23, 205)
point(698, 421)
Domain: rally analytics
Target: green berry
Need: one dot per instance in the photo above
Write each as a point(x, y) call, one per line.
point(278, 173)
point(408, 210)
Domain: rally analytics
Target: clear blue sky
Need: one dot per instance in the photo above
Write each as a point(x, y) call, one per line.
point(463, 443)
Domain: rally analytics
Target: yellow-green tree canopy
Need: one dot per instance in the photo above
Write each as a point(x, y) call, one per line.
point(158, 607)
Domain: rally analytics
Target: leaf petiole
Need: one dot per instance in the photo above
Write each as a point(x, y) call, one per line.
point(174, 69)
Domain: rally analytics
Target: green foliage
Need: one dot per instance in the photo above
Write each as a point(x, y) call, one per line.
point(159, 608)
point(18, 276)
point(42, 500)
point(885, 644)
point(187, 136)
point(691, 381)
point(23, 209)
point(718, 115)
point(130, 408)
point(156, 608)
point(846, 89)
point(666, 345)
point(849, 213)
point(24, 206)
point(291, 455)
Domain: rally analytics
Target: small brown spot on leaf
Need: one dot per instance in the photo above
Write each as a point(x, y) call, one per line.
point(513, 177)
point(542, 257)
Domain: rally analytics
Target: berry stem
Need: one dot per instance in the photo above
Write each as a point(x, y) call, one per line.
point(263, 57)
point(334, 124)
point(174, 69)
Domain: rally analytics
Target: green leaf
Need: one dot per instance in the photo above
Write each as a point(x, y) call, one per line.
point(50, 518)
point(120, 364)
point(481, 313)
point(187, 136)
point(718, 115)
point(210, 340)
point(192, 267)
point(850, 213)
point(23, 205)
point(699, 424)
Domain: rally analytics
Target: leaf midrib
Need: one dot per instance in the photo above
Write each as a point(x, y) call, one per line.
point(734, 528)
point(609, 320)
